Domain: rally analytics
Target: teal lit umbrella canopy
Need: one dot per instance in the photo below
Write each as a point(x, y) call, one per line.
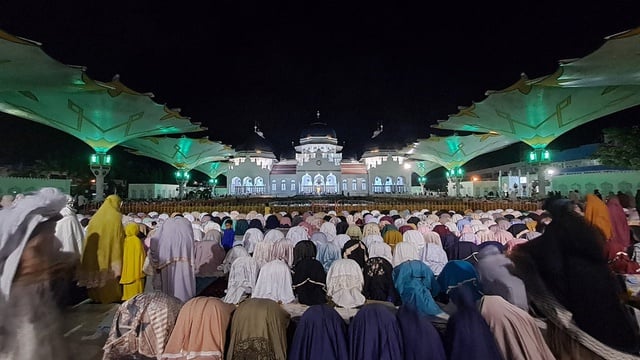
point(213, 169)
point(182, 152)
point(454, 151)
point(539, 111)
point(36, 87)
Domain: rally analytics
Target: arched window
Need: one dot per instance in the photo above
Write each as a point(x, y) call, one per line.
point(247, 185)
point(273, 185)
point(236, 185)
point(318, 180)
point(363, 184)
point(258, 185)
point(318, 184)
point(344, 185)
point(307, 184)
point(354, 185)
point(283, 185)
point(331, 184)
point(377, 185)
point(293, 185)
point(306, 180)
point(387, 184)
point(400, 184)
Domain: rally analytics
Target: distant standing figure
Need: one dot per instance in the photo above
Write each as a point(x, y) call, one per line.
point(229, 235)
point(133, 277)
point(172, 255)
point(596, 192)
point(102, 256)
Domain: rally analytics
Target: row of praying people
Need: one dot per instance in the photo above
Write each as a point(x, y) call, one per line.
point(460, 236)
point(558, 267)
point(157, 325)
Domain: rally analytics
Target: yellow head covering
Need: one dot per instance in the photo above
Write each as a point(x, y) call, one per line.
point(102, 255)
point(133, 261)
point(597, 214)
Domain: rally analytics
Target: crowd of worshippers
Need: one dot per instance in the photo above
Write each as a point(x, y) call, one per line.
point(336, 285)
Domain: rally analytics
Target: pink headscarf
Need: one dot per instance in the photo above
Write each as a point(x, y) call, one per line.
point(621, 239)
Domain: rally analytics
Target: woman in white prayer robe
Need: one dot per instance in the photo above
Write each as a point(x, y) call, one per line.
point(274, 282)
point(69, 230)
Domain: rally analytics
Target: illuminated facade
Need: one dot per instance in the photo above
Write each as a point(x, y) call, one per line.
point(318, 168)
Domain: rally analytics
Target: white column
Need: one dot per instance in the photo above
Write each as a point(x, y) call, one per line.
point(542, 193)
point(99, 172)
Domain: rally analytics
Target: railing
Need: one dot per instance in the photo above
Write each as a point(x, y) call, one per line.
point(245, 205)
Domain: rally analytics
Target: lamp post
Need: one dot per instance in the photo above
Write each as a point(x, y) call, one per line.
point(213, 183)
point(540, 157)
point(100, 164)
point(422, 180)
point(182, 177)
point(455, 175)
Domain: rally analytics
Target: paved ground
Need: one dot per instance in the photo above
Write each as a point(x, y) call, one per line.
point(81, 324)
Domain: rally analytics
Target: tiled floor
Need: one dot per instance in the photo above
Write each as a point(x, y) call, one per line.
point(81, 324)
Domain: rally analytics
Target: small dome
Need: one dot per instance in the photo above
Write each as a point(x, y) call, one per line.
point(318, 129)
point(255, 144)
point(384, 142)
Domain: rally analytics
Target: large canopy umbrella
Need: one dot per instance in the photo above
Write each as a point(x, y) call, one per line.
point(541, 110)
point(183, 153)
point(33, 86)
point(454, 151)
point(24, 65)
point(213, 170)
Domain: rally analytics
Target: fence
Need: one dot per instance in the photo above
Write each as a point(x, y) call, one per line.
point(245, 205)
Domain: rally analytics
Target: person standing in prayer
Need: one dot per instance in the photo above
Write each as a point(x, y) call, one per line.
point(71, 235)
point(102, 255)
point(30, 261)
point(229, 235)
point(133, 277)
point(69, 230)
point(172, 256)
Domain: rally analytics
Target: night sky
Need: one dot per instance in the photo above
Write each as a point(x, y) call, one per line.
point(233, 64)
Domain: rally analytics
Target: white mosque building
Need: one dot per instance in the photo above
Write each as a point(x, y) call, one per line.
point(318, 168)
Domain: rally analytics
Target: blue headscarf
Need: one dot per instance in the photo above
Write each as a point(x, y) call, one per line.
point(374, 334)
point(320, 334)
point(327, 252)
point(417, 286)
point(458, 273)
point(420, 338)
point(468, 335)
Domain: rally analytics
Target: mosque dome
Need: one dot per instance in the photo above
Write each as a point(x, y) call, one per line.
point(256, 144)
point(318, 129)
point(383, 142)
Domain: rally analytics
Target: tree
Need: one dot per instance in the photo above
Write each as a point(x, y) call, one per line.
point(621, 148)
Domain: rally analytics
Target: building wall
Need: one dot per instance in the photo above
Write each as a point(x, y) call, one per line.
point(153, 191)
point(252, 175)
point(614, 181)
point(474, 188)
point(387, 174)
point(20, 185)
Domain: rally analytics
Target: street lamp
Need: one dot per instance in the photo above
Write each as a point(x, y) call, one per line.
point(455, 175)
point(182, 177)
point(100, 164)
point(422, 180)
point(540, 157)
point(213, 183)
